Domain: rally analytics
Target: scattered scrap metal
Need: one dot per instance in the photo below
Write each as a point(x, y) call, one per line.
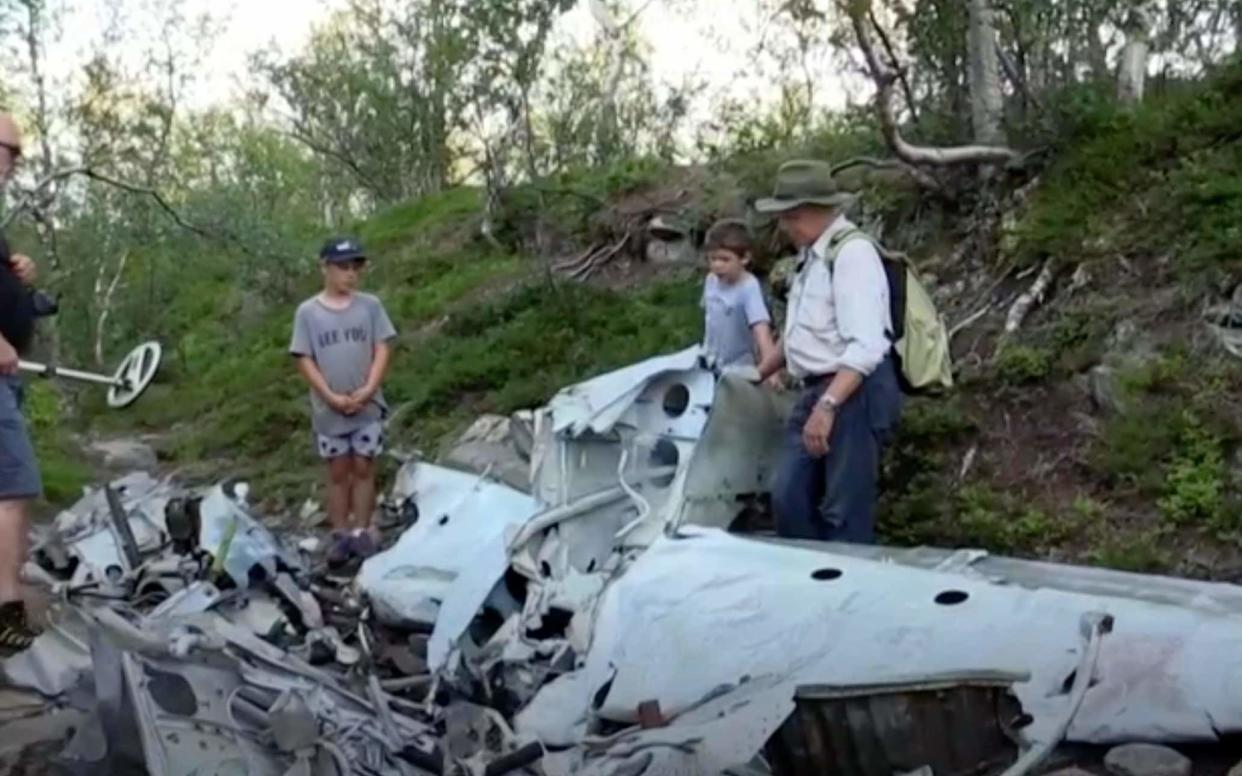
point(603, 620)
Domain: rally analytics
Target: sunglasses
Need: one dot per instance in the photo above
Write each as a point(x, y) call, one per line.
point(14, 150)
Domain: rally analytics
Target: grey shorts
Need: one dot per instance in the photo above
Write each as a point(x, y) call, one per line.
point(366, 442)
point(19, 472)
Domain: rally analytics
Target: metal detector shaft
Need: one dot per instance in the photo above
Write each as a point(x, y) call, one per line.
point(72, 374)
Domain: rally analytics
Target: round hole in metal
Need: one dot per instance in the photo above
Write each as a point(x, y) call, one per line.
point(676, 400)
point(664, 455)
point(952, 597)
point(826, 575)
point(171, 692)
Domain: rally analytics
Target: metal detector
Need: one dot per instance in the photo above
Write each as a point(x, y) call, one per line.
point(131, 379)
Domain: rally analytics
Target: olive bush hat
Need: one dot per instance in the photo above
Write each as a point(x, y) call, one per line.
point(804, 182)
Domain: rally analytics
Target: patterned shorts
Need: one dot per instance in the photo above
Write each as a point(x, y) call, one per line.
point(366, 442)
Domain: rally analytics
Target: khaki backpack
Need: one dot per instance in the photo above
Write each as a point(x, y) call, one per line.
point(920, 338)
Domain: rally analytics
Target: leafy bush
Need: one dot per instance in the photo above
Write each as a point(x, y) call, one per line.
point(1023, 365)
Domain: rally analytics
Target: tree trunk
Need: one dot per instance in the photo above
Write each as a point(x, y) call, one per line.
point(987, 103)
point(1132, 69)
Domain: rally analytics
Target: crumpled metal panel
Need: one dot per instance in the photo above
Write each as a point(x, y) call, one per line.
point(737, 453)
point(461, 529)
point(706, 609)
point(85, 529)
point(597, 404)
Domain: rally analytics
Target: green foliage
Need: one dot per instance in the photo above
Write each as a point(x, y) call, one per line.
point(1141, 552)
point(1023, 365)
point(424, 222)
point(60, 462)
point(1157, 180)
point(1195, 477)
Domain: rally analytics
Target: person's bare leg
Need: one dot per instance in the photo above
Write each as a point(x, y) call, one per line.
point(13, 538)
point(363, 499)
point(340, 481)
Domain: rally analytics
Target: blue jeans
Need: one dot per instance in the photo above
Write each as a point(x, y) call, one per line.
point(833, 498)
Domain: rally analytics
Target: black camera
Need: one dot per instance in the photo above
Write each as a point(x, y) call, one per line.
point(44, 305)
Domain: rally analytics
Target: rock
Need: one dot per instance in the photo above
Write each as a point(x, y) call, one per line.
point(125, 455)
point(1103, 387)
point(1146, 760)
point(489, 445)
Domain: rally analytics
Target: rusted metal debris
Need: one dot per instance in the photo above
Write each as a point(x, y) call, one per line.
point(958, 725)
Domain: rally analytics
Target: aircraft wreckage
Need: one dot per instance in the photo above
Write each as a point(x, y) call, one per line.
point(600, 618)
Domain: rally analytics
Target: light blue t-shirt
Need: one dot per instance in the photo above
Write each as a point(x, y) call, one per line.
point(731, 311)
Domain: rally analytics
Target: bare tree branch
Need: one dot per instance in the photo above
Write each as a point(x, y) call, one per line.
point(923, 178)
point(34, 203)
point(895, 63)
point(884, 77)
point(153, 194)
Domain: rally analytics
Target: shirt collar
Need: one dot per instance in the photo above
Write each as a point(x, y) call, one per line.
point(839, 224)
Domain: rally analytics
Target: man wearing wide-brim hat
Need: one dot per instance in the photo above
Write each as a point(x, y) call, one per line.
point(837, 346)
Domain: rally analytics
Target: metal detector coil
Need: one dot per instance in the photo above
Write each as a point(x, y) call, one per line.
point(131, 379)
point(135, 374)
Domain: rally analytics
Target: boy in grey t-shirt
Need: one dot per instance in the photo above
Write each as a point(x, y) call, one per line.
point(738, 329)
point(341, 339)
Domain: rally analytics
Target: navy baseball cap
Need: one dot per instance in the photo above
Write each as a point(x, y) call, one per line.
point(339, 250)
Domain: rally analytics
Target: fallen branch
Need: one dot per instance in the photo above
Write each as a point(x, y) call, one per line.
point(1033, 296)
point(968, 321)
point(599, 259)
point(884, 77)
point(585, 256)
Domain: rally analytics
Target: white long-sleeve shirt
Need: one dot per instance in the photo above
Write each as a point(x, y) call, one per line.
point(838, 316)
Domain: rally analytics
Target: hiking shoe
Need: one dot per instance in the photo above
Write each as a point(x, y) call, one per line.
point(339, 551)
point(16, 635)
point(363, 545)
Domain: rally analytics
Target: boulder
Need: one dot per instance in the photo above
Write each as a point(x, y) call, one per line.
point(125, 455)
point(496, 445)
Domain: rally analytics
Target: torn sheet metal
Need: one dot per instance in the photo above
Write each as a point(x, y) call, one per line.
point(597, 404)
point(460, 530)
point(756, 609)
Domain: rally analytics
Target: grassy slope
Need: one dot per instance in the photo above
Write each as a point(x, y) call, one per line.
point(480, 331)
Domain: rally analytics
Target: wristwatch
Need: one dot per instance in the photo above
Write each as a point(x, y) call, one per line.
point(828, 403)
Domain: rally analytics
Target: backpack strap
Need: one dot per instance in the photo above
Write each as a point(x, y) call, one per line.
point(893, 264)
